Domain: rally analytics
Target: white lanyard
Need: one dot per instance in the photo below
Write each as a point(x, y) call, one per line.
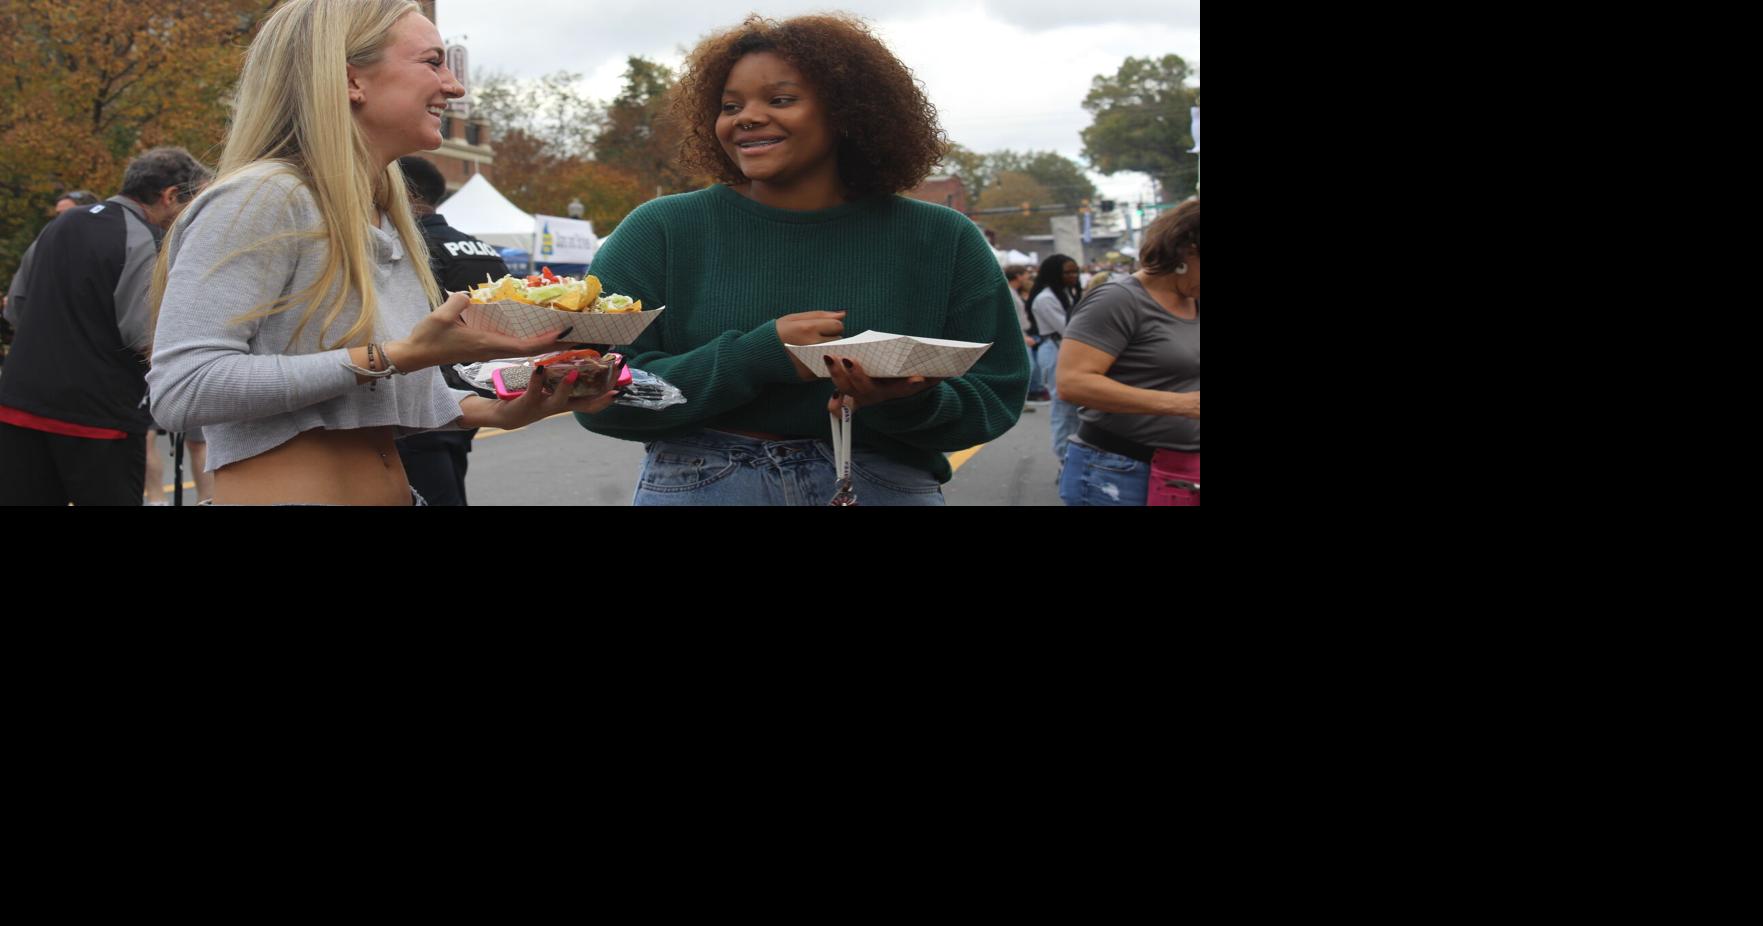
point(841, 431)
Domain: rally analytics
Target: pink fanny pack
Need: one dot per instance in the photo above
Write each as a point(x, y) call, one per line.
point(1175, 479)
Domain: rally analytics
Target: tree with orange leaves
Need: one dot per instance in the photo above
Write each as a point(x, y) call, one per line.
point(85, 85)
point(539, 181)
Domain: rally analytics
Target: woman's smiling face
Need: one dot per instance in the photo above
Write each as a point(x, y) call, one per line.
point(398, 100)
point(773, 125)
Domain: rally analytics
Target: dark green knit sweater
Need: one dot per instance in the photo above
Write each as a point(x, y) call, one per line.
point(726, 268)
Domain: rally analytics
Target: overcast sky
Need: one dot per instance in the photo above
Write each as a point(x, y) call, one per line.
point(1002, 75)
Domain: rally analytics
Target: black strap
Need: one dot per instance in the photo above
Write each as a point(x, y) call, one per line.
point(1113, 443)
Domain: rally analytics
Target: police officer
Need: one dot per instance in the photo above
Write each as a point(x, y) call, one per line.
point(435, 461)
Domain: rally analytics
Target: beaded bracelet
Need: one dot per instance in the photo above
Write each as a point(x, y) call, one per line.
point(374, 376)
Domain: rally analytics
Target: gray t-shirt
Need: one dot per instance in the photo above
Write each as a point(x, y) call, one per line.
point(140, 250)
point(1152, 349)
point(1049, 313)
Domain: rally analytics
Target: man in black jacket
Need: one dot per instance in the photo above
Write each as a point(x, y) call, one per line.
point(73, 415)
point(435, 462)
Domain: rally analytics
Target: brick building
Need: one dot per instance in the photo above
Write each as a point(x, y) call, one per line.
point(944, 191)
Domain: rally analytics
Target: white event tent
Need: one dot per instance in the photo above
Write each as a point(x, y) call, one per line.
point(482, 212)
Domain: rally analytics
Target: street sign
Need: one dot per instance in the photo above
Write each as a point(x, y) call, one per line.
point(457, 63)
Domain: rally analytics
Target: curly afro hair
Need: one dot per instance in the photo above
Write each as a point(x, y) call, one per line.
point(889, 138)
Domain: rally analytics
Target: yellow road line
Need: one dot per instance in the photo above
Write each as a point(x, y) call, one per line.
point(498, 432)
point(956, 459)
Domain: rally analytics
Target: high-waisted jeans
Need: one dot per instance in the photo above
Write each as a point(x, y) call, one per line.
point(717, 468)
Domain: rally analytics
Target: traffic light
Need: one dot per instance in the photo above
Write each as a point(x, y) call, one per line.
point(1141, 212)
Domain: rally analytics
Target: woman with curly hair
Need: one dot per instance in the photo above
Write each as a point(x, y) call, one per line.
point(811, 128)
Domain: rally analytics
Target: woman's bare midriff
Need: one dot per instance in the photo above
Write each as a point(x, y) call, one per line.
point(359, 466)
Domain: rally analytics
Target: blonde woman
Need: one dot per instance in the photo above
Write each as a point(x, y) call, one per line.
point(1096, 279)
point(294, 295)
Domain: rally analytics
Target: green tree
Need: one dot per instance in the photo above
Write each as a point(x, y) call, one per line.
point(1141, 121)
point(553, 109)
point(638, 136)
point(1011, 189)
point(537, 180)
point(523, 163)
point(1063, 178)
point(969, 167)
point(554, 144)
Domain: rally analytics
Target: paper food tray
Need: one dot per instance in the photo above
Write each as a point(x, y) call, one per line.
point(890, 355)
point(525, 321)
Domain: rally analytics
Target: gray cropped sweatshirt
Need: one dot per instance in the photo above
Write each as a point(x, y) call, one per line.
point(244, 383)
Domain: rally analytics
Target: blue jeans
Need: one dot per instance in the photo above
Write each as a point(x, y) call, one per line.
point(1065, 418)
point(1036, 381)
point(1098, 478)
point(716, 468)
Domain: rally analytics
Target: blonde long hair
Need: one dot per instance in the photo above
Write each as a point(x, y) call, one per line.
point(1095, 281)
point(292, 109)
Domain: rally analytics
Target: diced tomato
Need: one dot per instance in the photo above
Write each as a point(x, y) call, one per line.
point(549, 276)
point(535, 280)
point(569, 355)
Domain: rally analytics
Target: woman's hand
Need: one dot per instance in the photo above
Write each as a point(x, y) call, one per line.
point(441, 337)
point(850, 380)
point(537, 403)
point(809, 328)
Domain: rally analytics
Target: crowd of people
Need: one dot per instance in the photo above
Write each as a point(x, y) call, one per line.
point(278, 317)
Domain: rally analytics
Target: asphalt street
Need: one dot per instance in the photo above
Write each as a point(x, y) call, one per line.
point(557, 462)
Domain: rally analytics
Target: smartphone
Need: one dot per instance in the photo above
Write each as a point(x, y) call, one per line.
point(511, 382)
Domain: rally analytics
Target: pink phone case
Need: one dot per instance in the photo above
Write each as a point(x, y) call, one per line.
point(502, 390)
